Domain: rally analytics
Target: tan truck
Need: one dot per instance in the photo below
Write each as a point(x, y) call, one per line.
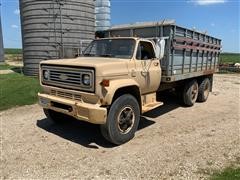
point(118, 77)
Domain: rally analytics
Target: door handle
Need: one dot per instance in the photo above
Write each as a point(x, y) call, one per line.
point(156, 64)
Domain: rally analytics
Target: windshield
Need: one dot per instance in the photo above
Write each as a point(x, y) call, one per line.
point(113, 48)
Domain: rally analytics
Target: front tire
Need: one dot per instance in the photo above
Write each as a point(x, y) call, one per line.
point(123, 119)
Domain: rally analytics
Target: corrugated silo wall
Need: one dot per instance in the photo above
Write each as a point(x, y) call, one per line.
point(55, 29)
point(103, 14)
point(1, 44)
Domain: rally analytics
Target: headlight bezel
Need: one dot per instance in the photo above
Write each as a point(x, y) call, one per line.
point(86, 79)
point(45, 74)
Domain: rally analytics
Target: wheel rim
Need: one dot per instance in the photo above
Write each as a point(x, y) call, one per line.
point(194, 92)
point(126, 120)
point(206, 90)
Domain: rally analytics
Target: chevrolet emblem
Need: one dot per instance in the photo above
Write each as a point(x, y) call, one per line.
point(63, 77)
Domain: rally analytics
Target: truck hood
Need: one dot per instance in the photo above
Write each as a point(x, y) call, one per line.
point(105, 67)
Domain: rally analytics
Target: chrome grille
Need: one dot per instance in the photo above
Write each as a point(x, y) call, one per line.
point(70, 78)
point(66, 95)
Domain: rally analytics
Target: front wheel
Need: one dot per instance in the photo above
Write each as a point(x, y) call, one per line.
point(123, 119)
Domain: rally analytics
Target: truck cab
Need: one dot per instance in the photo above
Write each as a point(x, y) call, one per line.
point(111, 84)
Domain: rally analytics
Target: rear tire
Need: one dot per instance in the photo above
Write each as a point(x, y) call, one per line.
point(204, 89)
point(123, 119)
point(190, 93)
point(54, 116)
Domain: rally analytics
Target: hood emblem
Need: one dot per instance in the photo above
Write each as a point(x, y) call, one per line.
point(63, 77)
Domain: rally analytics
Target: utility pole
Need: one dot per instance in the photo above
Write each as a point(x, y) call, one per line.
point(1, 40)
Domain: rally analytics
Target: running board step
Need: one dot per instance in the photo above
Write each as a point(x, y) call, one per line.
point(149, 102)
point(151, 106)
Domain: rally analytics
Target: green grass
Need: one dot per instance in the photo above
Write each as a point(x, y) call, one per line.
point(229, 58)
point(12, 51)
point(5, 67)
point(17, 69)
point(17, 90)
point(229, 173)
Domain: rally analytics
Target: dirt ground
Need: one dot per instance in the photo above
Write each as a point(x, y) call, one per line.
point(14, 60)
point(6, 71)
point(172, 142)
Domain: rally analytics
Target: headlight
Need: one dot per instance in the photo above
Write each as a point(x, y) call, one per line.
point(86, 79)
point(46, 74)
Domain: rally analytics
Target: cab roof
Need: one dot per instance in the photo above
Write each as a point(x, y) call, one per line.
point(134, 38)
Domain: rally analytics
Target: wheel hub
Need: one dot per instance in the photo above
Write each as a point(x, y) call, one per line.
point(194, 92)
point(126, 120)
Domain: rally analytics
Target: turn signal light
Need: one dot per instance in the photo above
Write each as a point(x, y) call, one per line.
point(105, 83)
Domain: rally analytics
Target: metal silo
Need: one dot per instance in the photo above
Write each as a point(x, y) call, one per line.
point(53, 29)
point(103, 17)
point(1, 44)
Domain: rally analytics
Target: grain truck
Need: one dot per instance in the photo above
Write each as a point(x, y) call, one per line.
point(122, 71)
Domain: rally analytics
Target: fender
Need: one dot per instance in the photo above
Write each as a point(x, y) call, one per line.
point(109, 92)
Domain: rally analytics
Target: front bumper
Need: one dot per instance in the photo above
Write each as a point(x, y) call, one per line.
point(92, 113)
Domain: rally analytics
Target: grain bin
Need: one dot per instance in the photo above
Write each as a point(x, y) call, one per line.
point(1, 44)
point(102, 11)
point(53, 29)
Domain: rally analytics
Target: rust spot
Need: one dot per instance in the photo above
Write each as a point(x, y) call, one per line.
point(206, 72)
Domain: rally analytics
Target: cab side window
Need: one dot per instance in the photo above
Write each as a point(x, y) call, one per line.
point(145, 51)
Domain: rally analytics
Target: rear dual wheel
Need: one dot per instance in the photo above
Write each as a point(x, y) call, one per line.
point(194, 91)
point(190, 93)
point(204, 89)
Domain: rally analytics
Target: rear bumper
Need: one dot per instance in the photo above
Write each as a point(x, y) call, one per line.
point(92, 113)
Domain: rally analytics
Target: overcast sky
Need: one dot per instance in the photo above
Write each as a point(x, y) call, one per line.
point(220, 18)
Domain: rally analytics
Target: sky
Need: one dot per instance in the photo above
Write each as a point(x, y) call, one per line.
point(220, 18)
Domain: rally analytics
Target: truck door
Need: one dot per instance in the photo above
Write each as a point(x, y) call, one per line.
point(148, 70)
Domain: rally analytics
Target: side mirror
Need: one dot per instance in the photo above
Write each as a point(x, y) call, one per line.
point(160, 48)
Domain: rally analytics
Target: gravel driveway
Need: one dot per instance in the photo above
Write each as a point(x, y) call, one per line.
point(172, 142)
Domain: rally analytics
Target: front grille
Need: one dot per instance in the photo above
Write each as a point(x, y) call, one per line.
point(66, 95)
point(66, 77)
